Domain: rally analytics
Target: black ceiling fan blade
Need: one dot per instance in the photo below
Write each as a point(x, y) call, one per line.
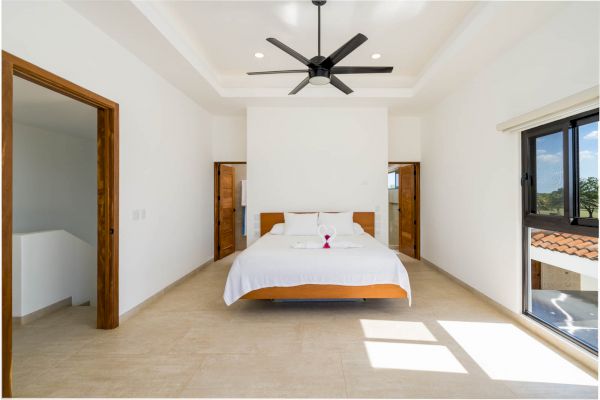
point(361, 70)
point(300, 86)
point(285, 71)
point(343, 51)
point(289, 50)
point(340, 85)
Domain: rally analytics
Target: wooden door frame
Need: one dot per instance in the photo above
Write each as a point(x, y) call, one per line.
point(417, 165)
point(108, 197)
point(216, 201)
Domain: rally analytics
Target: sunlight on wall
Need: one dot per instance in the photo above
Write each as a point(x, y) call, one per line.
point(289, 13)
point(396, 330)
point(415, 357)
point(398, 10)
point(505, 352)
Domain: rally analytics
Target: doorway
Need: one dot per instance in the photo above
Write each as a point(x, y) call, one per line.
point(107, 120)
point(230, 208)
point(403, 208)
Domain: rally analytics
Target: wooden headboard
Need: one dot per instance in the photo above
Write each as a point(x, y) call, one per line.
point(364, 219)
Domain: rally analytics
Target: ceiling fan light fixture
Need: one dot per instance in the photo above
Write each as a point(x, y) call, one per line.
point(259, 55)
point(319, 77)
point(376, 56)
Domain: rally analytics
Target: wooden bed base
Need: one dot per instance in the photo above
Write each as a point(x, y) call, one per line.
point(387, 291)
point(383, 291)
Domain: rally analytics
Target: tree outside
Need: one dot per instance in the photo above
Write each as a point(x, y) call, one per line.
point(588, 195)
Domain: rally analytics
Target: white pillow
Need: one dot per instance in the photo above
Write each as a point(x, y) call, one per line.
point(358, 230)
point(300, 224)
point(277, 229)
point(342, 221)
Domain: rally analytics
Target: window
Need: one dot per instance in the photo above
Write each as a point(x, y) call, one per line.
point(560, 226)
point(393, 180)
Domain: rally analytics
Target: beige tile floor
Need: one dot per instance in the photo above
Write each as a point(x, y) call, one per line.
point(189, 344)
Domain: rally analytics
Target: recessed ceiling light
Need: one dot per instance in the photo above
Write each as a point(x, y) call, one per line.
point(376, 56)
point(259, 55)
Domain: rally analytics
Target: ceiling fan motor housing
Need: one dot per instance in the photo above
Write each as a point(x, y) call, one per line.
point(319, 2)
point(319, 76)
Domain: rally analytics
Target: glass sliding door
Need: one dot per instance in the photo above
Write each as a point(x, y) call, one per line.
point(560, 227)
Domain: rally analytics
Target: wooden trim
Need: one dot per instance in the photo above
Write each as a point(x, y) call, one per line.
point(7, 219)
point(364, 219)
point(381, 291)
point(108, 197)
point(216, 202)
point(417, 165)
point(216, 211)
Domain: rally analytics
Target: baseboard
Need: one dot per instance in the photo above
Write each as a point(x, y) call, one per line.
point(556, 341)
point(133, 311)
point(42, 312)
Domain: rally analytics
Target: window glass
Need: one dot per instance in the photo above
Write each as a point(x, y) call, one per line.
point(549, 174)
point(392, 180)
point(588, 170)
point(563, 283)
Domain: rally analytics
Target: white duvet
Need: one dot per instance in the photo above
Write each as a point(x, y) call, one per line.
point(271, 261)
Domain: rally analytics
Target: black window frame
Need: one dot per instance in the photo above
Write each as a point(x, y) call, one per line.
point(570, 221)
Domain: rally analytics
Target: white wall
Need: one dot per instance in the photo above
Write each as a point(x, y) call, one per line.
point(229, 138)
point(405, 138)
point(54, 182)
point(165, 143)
point(317, 159)
point(49, 267)
point(470, 191)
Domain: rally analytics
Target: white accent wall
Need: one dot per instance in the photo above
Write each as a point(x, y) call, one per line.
point(165, 143)
point(317, 159)
point(54, 182)
point(470, 190)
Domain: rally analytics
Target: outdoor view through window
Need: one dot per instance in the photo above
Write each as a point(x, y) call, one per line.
point(563, 267)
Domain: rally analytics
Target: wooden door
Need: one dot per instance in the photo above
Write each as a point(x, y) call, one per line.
point(407, 203)
point(226, 221)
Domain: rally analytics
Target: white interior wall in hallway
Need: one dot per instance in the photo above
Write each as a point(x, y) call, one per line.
point(165, 144)
point(470, 173)
point(54, 182)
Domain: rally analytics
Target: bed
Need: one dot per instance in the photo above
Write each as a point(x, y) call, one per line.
point(271, 269)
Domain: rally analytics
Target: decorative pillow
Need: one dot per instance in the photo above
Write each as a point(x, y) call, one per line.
point(358, 230)
point(342, 221)
point(277, 229)
point(300, 224)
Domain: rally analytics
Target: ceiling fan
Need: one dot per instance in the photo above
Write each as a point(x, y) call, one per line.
point(323, 70)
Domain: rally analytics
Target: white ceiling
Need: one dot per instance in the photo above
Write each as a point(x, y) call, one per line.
point(205, 47)
point(406, 34)
point(42, 108)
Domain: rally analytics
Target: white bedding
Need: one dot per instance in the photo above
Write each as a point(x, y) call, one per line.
point(271, 261)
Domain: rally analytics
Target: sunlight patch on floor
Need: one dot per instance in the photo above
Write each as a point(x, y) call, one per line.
point(409, 356)
point(505, 352)
point(396, 330)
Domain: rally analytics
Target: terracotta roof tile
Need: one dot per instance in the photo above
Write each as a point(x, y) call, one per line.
point(582, 246)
